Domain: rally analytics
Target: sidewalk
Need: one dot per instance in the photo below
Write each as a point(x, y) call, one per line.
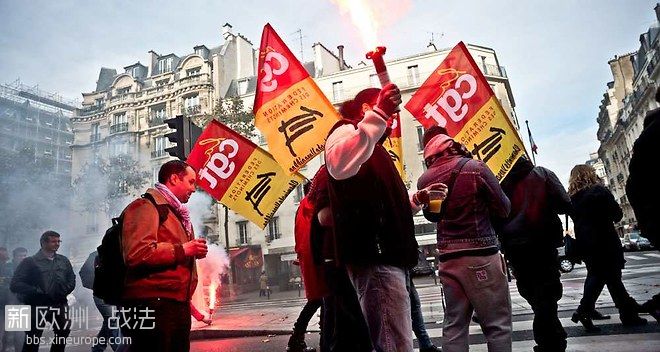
point(251, 315)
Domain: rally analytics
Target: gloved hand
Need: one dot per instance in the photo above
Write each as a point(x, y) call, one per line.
point(389, 99)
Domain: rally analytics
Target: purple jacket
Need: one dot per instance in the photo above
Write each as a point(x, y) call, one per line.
point(475, 197)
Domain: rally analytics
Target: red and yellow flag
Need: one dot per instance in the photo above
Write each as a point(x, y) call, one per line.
point(457, 97)
point(239, 174)
point(393, 145)
point(290, 110)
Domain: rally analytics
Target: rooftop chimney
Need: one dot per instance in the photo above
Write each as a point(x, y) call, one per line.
point(342, 65)
point(226, 30)
point(657, 11)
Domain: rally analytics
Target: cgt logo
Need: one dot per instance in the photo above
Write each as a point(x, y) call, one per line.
point(219, 164)
point(451, 101)
point(275, 64)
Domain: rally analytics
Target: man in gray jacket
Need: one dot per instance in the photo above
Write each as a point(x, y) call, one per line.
point(43, 281)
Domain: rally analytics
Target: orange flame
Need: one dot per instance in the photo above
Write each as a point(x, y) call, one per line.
point(363, 17)
point(213, 289)
point(371, 16)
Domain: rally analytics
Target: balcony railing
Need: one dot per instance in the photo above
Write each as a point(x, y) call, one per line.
point(158, 153)
point(119, 127)
point(192, 110)
point(90, 110)
point(156, 120)
point(94, 137)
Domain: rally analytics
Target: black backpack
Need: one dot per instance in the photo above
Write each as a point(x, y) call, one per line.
point(87, 271)
point(110, 269)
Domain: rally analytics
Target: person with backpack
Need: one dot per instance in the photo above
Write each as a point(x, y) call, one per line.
point(107, 335)
point(159, 250)
point(43, 281)
point(530, 237)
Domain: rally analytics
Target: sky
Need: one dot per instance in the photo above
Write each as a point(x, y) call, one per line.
point(555, 52)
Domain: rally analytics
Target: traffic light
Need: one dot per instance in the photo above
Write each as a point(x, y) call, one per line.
point(185, 135)
point(177, 137)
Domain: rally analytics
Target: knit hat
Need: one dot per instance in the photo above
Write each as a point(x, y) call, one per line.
point(437, 145)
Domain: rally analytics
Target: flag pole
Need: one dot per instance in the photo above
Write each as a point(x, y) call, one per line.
point(531, 142)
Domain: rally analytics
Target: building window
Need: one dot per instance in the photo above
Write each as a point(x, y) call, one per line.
point(194, 71)
point(95, 134)
point(91, 227)
point(191, 105)
point(157, 115)
point(374, 81)
point(420, 138)
point(122, 91)
point(274, 228)
point(165, 65)
point(119, 123)
point(242, 232)
point(135, 72)
point(338, 91)
point(242, 86)
point(159, 147)
point(413, 75)
point(118, 148)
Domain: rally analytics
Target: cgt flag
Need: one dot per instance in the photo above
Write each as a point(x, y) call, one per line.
point(239, 174)
point(290, 110)
point(393, 145)
point(457, 97)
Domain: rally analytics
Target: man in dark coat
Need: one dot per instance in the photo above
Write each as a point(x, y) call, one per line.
point(642, 188)
point(530, 236)
point(43, 281)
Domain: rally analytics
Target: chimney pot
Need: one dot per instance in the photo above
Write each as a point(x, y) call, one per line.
point(342, 64)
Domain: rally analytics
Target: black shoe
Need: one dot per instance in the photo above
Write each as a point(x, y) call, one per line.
point(632, 320)
point(596, 315)
point(585, 320)
point(433, 348)
point(297, 343)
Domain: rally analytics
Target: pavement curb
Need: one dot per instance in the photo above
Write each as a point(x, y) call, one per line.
point(210, 334)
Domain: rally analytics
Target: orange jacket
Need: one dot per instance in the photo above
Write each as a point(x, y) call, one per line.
point(153, 252)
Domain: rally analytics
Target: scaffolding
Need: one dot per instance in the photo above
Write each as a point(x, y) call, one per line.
point(32, 118)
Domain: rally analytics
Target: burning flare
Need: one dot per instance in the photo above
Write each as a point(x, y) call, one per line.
point(363, 17)
point(213, 289)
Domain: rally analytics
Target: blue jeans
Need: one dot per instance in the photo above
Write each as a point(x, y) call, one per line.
point(385, 304)
point(417, 318)
point(106, 332)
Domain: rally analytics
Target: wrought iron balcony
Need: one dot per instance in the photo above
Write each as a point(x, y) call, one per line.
point(119, 127)
point(158, 153)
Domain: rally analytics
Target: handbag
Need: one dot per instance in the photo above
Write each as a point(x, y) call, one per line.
point(571, 250)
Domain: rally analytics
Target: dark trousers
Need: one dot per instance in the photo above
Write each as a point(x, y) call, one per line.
point(306, 314)
point(159, 325)
point(537, 277)
point(58, 316)
point(107, 332)
point(343, 323)
point(593, 286)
